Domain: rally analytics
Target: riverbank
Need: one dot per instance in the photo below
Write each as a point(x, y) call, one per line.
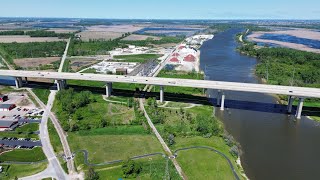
point(270, 71)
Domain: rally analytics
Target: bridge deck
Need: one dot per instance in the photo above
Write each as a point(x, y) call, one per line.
point(219, 85)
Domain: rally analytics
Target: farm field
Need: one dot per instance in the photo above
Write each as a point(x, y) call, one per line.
point(62, 30)
point(77, 64)
point(135, 37)
point(99, 35)
point(26, 39)
point(36, 62)
point(115, 28)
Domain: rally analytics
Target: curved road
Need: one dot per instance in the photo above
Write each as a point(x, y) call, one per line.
point(211, 149)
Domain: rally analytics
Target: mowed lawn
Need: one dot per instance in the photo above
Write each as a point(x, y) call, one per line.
point(203, 163)
point(152, 168)
point(19, 171)
point(22, 155)
point(104, 148)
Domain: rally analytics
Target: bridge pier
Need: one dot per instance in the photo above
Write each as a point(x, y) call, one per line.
point(223, 97)
point(26, 80)
point(219, 98)
point(61, 84)
point(299, 108)
point(18, 82)
point(109, 89)
point(161, 94)
point(290, 102)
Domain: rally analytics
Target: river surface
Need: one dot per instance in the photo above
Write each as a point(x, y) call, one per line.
point(274, 145)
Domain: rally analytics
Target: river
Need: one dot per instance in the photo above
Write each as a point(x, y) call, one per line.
point(274, 145)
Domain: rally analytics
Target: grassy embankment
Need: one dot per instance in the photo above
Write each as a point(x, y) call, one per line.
point(21, 155)
point(194, 126)
point(43, 94)
point(56, 144)
point(25, 131)
point(12, 171)
point(283, 66)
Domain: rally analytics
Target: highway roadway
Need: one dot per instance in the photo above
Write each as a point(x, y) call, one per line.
point(219, 85)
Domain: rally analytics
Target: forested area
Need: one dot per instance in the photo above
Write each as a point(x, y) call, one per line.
point(37, 33)
point(150, 41)
point(93, 47)
point(84, 110)
point(32, 49)
point(11, 33)
point(42, 33)
point(283, 66)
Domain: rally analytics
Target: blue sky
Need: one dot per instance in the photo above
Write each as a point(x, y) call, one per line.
point(163, 9)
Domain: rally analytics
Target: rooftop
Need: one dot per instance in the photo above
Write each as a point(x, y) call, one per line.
point(7, 123)
point(190, 58)
point(6, 106)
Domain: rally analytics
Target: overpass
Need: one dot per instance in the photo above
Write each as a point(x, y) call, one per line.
point(290, 91)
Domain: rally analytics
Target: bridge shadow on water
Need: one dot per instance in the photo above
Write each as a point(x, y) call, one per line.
point(185, 98)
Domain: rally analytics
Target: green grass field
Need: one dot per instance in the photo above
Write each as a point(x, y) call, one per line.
point(205, 164)
point(104, 148)
point(42, 94)
point(19, 171)
point(22, 155)
point(31, 127)
point(54, 138)
point(152, 168)
point(141, 58)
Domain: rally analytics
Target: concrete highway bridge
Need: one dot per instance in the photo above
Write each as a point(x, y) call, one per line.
point(60, 78)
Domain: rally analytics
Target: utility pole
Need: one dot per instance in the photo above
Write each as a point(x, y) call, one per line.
point(293, 74)
point(267, 71)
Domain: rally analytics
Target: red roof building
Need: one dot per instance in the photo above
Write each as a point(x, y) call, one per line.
point(174, 59)
point(181, 47)
point(190, 58)
point(176, 54)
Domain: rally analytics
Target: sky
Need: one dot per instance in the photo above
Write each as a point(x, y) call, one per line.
point(163, 9)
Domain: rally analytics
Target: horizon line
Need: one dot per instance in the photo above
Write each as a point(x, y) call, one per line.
point(172, 19)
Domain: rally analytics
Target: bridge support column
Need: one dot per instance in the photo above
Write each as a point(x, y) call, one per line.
point(108, 89)
point(290, 102)
point(26, 80)
point(223, 97)
point(61, 84)
point(161, 94)
point(219, 98)
point(18, 82)
point(299, 108)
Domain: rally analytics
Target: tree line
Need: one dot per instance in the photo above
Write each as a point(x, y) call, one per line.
point(34, 49)
point(37, 33)
point(283, 66)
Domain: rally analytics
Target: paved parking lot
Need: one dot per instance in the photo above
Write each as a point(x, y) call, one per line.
point(14, 143)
